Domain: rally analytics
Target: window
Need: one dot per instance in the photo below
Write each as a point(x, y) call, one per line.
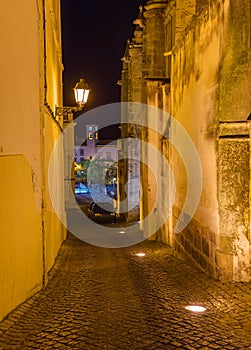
point(90, 136)
point(82, 152)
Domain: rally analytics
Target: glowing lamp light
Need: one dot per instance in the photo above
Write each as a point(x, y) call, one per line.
point(81, 91)
point(195, 308)
point(140, 254)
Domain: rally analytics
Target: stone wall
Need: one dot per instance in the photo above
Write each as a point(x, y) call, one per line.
point(209, 80)
point(194, 86)
point(201, 48)
point(197, 245)
point(235, 68)
point(129, 168)
point(234, 201)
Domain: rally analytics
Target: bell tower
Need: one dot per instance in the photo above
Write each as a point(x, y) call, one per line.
point(91, 139)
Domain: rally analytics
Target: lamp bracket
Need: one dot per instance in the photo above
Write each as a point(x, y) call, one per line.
point(65, 110)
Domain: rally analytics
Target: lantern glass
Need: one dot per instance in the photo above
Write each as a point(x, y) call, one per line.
point(81, 91)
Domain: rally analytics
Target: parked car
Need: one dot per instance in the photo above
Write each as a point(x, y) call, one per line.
point(81, 188)
point(101, 212)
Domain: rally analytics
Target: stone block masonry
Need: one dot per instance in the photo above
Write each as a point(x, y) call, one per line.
point(197, 246)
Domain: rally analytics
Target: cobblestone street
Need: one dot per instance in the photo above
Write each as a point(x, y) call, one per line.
point(99, 298)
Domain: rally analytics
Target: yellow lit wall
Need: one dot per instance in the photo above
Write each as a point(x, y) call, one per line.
point(30, 232)
point(20, 234)
point(54, 230)
point(209, 91)
point(194, 86)
point(194, 93)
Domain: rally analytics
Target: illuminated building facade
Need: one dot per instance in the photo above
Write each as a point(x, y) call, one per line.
point(191, 59)
point(93, 147)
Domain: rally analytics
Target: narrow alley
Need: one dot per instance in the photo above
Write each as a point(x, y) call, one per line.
point(99, 298)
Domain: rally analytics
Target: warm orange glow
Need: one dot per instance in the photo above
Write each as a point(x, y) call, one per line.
point(195, 308)
point(81, 92)
point(140, 254)
point(81, 95)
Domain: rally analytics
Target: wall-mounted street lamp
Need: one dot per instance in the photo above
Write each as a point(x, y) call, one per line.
point(81, 92)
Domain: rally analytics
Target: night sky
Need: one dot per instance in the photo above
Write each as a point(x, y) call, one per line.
point(94, 35)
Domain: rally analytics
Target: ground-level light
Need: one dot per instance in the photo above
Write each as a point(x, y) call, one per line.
point(195, 308)
point(140, 254)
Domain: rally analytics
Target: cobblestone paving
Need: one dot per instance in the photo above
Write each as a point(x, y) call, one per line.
point(99, 298)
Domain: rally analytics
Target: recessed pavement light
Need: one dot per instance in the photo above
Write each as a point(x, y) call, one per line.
point(140, 254)
point(122, 232)
point(195, 308)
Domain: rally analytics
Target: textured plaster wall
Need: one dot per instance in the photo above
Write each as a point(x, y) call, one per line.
point(19, 84)
point(152, 179)
point(235, 70)
point(193, 100)
point(233, 179)
point(131, 91)
point(194, 87)
point(54, 230)
point(210, 84)
point(54, 65)
point(27, 251)
point(20, 206)
point(234, 105)
point(153, 74)
point(20, 234)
